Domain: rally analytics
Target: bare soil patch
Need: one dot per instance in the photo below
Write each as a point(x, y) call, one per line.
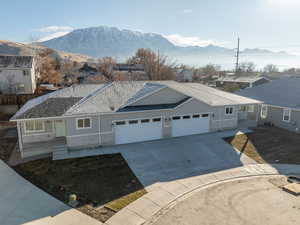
point(102, 184)
point(269, 145)
point(7, 143)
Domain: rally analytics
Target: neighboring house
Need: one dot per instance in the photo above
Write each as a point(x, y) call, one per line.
point(129, 67)
point(17, 75)
point(184, 75)
point(281, 102)
point(123, 112)
point(241, 82)
point(87, 70)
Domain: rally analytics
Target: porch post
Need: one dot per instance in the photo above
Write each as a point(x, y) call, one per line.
point(20, 139)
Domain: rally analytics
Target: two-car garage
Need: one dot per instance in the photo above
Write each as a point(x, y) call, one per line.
point(190, 124)
point(131, 131)
point(139, 130)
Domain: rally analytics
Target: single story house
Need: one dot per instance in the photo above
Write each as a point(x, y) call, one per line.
point(18, 74)
point(281, 102)
point(122, 112)
point(184, 75)
point(242, 82)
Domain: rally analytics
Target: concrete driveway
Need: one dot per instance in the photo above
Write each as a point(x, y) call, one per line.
point(171, 159)
point(23, 203)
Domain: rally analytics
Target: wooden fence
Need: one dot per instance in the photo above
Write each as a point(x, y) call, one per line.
point(18, 100)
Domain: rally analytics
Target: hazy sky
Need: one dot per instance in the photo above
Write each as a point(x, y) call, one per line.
point(272, 24)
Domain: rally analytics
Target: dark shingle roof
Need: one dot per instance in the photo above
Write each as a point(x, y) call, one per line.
point(50, 108)
point(282, 92)
point(15, 61)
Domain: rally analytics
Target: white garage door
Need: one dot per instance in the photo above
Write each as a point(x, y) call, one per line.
point(190, 124)
point(131, 131)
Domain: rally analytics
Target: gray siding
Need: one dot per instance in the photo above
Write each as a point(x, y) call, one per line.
point(82, 137)
point(275, 116)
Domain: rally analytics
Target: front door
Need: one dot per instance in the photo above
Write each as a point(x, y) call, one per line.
point(60, 129)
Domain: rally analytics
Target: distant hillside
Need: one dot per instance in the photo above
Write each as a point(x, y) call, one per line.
point(110, 41)
point(14, 48)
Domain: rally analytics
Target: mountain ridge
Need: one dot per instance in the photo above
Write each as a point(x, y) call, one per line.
point(111, 41)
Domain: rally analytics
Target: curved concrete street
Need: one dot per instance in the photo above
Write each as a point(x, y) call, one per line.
point(252, 201)
point(163, 197)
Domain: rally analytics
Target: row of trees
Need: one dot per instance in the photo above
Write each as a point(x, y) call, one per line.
point(52, 70)
point(156, 67)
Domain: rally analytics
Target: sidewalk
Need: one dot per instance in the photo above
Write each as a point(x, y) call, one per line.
point(163, 194)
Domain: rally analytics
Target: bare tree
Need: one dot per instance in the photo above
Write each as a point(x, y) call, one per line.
point(156, 66)
point(271, 68)
point(105, 67)
point(246, 68)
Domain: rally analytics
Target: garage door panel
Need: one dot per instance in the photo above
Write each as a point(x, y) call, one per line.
point(188, 125)
point(130, 133)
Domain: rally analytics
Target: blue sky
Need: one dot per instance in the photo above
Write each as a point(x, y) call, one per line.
point(272, 24)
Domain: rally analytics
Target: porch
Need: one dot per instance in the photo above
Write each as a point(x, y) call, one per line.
point(44, 147)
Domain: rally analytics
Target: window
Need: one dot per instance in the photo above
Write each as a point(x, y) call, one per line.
point(25, 72)
point(250, 108)
point(186, 117)
point(133, 121)
point(156, 120)
point(204, 115)
point(176, 118)
point(286, 115)
point(83, 123)
point(196, 116)
point(242, 108)
point(145, 121)
point(264, 111)
point(229, 110)
point(34, 126)
point(120, 123)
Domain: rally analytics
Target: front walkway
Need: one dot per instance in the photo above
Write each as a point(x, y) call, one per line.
point(164, 195)
point(23, 203)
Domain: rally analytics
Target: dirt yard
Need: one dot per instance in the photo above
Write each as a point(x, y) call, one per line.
point(8, 141)
point(269, 145)
point(103, 184)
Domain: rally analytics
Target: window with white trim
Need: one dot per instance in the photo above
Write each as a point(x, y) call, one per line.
point(250, 108)
point(229, 110)
point(264, 111)
point(84, 123)
point(34, 126)
point(286, 115)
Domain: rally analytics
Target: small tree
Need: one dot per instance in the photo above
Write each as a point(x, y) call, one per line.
point(246, 68)
point(105, 67)
point(271, 68)
point(156, 66)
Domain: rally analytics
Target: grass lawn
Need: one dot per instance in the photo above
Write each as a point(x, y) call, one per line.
point(103, 184)
point(269, 145)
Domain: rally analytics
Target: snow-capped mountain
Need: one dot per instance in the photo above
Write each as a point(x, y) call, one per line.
point(108, 41)
point(121, 43)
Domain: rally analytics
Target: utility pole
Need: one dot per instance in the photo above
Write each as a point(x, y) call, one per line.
point(237, 58)
point(158, 61)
